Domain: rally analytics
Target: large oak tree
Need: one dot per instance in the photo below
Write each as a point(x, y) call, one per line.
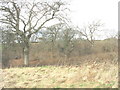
point(28, 18)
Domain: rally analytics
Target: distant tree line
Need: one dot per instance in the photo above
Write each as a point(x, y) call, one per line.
point(55, 42)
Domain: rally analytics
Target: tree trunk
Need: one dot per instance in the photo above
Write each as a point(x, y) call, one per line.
point(52, 49)
point(26, 55)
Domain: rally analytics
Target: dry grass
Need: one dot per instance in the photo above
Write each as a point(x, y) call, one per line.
point(110, 57)
point(91, 74)
point(86, 76)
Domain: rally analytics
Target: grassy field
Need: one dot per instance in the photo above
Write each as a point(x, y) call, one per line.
point(95, 75)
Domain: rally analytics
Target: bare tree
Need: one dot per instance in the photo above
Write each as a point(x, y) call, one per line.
point(26, 19)
point(89, 31)
point(111, 34)
point(68, 34)
point(53, 34)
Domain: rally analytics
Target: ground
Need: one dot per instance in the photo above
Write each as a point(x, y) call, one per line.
point(87, 75)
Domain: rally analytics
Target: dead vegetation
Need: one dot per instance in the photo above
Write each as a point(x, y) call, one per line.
point(110, 57)
point(91, 74)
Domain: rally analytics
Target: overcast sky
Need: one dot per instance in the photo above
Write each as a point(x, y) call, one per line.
point(84, 11)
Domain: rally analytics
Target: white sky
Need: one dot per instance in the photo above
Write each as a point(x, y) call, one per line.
point(85, 11)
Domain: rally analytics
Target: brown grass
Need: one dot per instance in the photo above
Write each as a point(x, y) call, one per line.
point(77, 60)
point(92, 74)
point(52, 76)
